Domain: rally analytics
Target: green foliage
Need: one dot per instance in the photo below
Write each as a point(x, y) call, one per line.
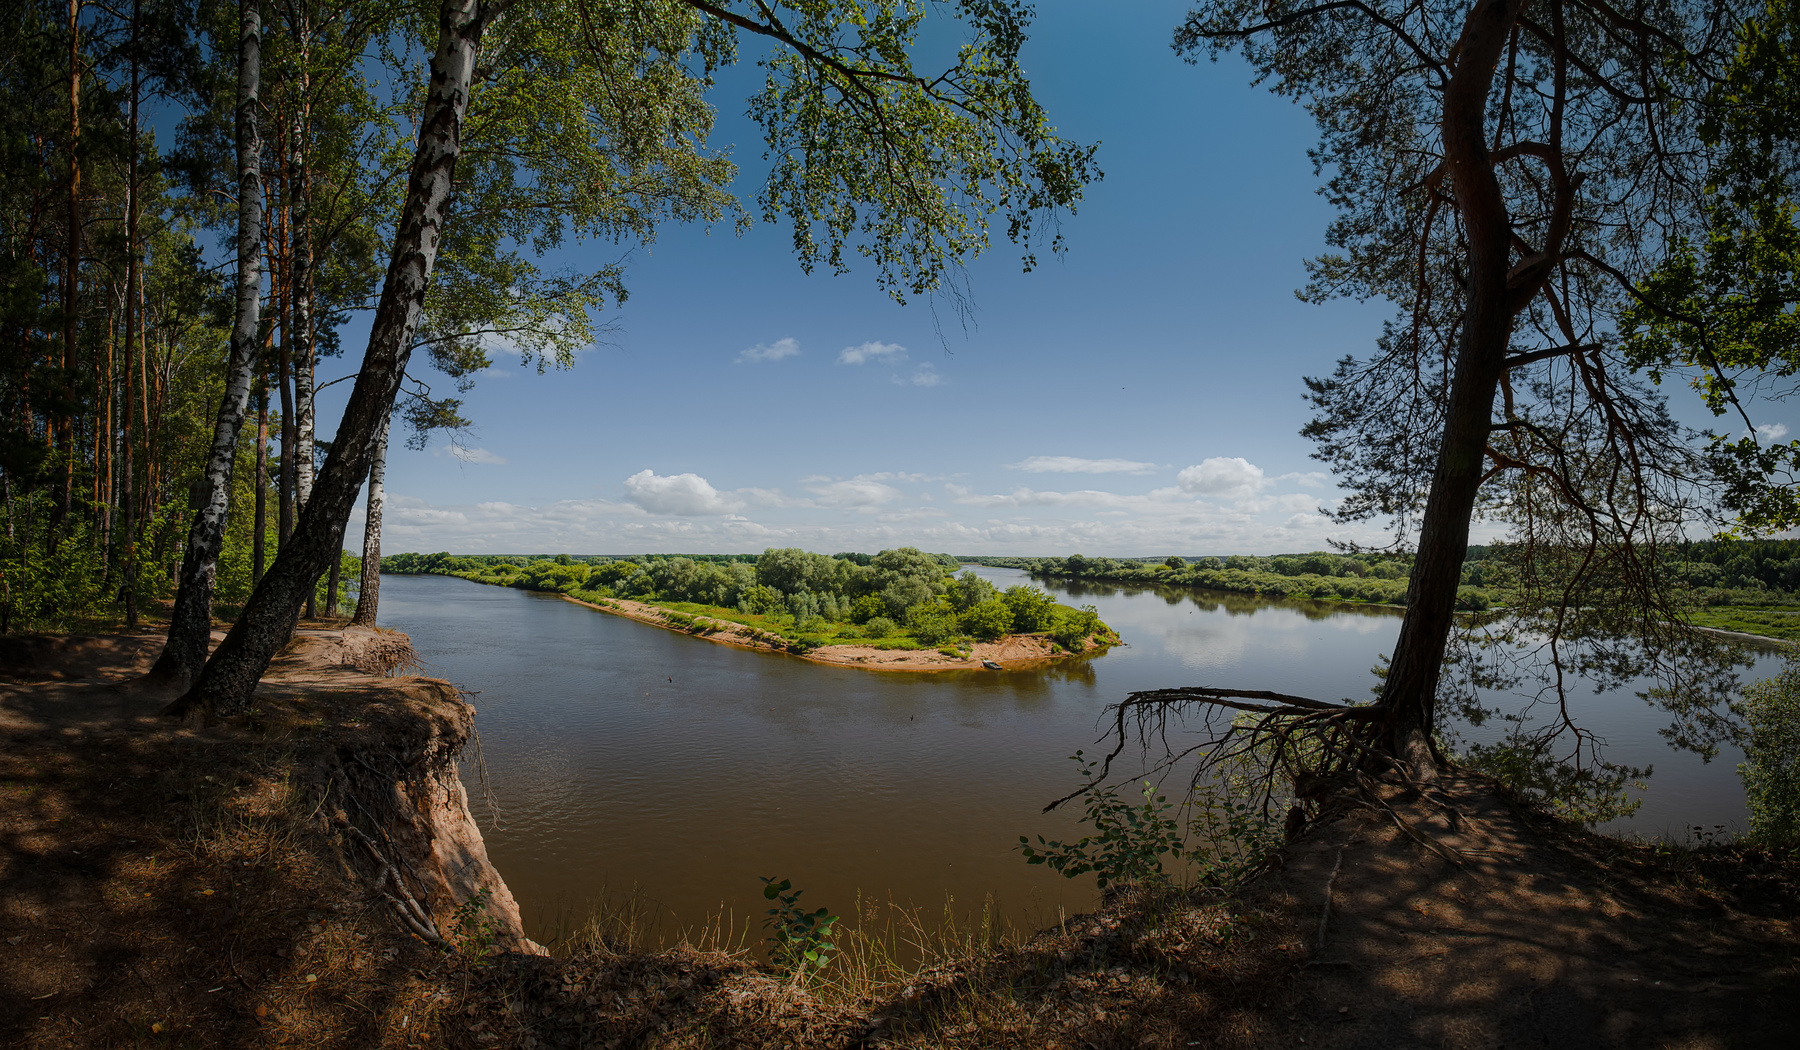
point(472, 931)
point(1129, 842)
point(1072, 627)
point(941, 151)
point(879, 627)
point(1771, 766)
point(933, 623)
point(1723, 308)
point(969, 590)
point(990, 619)
point(1586, 795)
point(1032, 609)
point(799, 940)
point(1229, 837)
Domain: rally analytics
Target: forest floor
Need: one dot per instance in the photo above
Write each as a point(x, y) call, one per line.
point(164, 886)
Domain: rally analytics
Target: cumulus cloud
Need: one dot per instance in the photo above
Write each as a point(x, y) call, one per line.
point(475, 455)
point(1175, 521)
point(1311, 479)
point(1773, 431)
point(872, 351)
point(1222, 477)
point(776, 351)
point(1078, 465)
point(684, 495)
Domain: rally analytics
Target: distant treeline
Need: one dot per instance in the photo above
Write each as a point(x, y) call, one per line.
point(1376, 578)
point(903, 595)
point(1717, 573)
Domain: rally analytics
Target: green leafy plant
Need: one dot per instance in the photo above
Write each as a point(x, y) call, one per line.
point(799, 940)
point(1130, 838)
point(472, 929)
point(1771, 766)
point(1229, 837)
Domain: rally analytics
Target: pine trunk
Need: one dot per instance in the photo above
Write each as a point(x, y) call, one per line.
point(229, 678)
point(1410, 690)
point(190, 624)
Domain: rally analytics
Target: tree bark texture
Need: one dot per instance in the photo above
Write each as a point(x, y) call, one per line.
point(226, 684)
point(1410, 690)
point(71, 295)
point(190, 625)
point(368, 597)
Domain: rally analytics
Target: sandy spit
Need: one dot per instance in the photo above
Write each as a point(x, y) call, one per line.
point(1012, 651)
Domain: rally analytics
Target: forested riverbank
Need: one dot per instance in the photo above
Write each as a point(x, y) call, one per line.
point(1746, 586)
point(808, 604)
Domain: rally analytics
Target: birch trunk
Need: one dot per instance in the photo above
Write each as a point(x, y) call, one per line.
point(368, 597)
point(229, 678)
point(190, 624)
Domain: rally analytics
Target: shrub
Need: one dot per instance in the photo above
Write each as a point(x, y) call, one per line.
point(933, 623)
point(988, 620)
point(1032, 609)
point(868, 607)
point(1073, 627)
point(879, 627)
point(1771, 767)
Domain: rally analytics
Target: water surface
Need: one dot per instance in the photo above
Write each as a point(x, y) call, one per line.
point(624, 757)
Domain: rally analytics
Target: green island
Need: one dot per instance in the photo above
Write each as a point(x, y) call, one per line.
point(1742, 586)
point(841, 608)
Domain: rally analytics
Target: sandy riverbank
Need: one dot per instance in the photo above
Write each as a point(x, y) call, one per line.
point(1011, 652)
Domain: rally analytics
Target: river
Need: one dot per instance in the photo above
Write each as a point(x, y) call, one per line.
point(629, 761)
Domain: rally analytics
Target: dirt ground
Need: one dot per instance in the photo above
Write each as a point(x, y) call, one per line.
point(161, 886)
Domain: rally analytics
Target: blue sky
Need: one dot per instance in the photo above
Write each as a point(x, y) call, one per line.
point(1139, 396)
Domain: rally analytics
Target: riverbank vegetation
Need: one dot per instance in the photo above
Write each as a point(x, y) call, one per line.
point(898, 599)
point(1745, 585)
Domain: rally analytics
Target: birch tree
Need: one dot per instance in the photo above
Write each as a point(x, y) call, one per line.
point(871, 158)
point(190, 623)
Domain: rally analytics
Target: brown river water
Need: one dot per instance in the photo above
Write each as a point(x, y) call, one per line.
point(627, 760)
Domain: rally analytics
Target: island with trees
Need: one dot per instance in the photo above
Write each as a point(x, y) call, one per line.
point(899, 610)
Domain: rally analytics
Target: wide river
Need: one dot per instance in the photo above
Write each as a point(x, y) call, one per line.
point(626, 760)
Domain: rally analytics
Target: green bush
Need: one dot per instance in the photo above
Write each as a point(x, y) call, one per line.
point(988, 620)
point(933, 623)
point(1073, 626)
point(1129, 840)
point(1771, 766)
point(1032, 609)
point(879, 627)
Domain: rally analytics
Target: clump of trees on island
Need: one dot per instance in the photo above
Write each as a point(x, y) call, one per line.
point(902, 598)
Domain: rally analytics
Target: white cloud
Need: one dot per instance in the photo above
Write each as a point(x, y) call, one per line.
point(872, 351)
point(1077, 465)
point(1223, 477)
point(776, 351)
point(678, 494)
point(861, 491)
point(1311, 479)
point(1036, 523)
point(925, 375)
point(1773, 431)
point(475, 455)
